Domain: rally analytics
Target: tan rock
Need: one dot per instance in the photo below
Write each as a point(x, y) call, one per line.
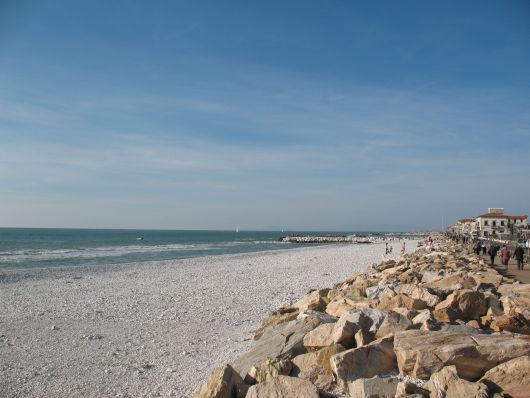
point(446, 383)
point(364, 362)
point(283, 341)
point(515, 323)
point(321, 336)
point(407, 389)
point(394, 322)
point(314, 300)
point(517, 300)
point(363, 337)
point(380, 387)
point(513, 374)
point(494, 306)
point(267, 370)
point(340, 305)
point(485, 279)
point(320, 358)
point(320, 377)
point(422, 317)
point(281, 315)
point(407, 313)
point(418, 292)
point(283, 387)
point(224, 382)
point(421, 354)
point(454, 281)
point(462, 304)
point(401, 300)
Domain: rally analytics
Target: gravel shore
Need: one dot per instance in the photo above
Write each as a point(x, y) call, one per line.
point(150, 329)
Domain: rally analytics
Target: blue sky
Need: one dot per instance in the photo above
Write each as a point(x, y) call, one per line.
point(297, 115)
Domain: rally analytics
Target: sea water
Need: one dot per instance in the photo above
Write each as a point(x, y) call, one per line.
point(28, 248)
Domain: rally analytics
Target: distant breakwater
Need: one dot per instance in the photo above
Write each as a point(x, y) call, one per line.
point(324, 239)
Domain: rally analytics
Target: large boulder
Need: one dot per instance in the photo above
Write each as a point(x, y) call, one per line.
point(320, 358)
point(340, 305)
point(315, 300)
point(401, 300)
point(342, 332)
point(418, 292)
point(224, 382)
point(447, 384)
point(375, 387)
point(283, 387)
point(364, 362)
point(517, 300)
point(421, 353)
point(511, 375)
point(280, 315)
point(322, 378)
point(321, 336)
point(454, 281)
point(267, 370)
point(514, 322)
point(394, 322)
point(486, 279)
point(283, 341)
point(462, 304)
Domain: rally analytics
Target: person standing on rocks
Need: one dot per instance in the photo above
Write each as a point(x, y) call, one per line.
point(519, 256)
point(403, 248)
point(505, 256)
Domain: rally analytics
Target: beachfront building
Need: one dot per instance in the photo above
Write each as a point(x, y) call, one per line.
point(465, 226)
point(493, 224)
point(496, 224)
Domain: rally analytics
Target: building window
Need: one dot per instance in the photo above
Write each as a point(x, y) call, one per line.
point(485, 222)
point(502, 223)
point(494, 223)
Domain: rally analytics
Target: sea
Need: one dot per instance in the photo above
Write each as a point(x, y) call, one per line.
point(34, 247)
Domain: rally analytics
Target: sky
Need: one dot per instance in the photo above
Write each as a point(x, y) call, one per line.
point(321, 115)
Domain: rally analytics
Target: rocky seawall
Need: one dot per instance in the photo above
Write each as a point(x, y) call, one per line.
point(438, 322)
point(324, 239)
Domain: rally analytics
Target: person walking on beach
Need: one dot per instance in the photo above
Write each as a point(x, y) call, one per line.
point(519, 256)
point(505, 256)
point(403, 248)
point(386, 248)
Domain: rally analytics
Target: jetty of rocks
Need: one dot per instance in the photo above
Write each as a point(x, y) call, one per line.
point(435, 323)
point(323, 239)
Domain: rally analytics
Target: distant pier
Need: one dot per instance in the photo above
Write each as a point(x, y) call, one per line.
point(324, 239)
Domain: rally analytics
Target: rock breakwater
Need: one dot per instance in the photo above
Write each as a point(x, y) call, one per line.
point(438, 322)
point(324, 239)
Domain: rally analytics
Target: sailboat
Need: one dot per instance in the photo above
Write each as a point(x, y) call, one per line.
point(237, 229)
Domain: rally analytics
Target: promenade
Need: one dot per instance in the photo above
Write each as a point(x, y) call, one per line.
point(512, 271)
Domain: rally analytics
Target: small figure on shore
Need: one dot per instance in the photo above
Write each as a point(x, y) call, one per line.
point(484, 248)
point(505, 256)
point(493, 252)
point(403, 248)
point(519, 256)
point(386, 248)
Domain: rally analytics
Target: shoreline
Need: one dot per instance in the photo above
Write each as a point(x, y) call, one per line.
point(10, 275)
point(151, 328)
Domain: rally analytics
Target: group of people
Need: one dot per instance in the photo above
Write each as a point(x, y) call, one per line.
point(493, 248)
point(388, 249)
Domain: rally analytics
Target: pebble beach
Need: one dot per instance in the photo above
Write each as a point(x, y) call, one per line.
point(155, 328)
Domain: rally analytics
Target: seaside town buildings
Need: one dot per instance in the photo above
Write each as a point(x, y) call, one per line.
point(494, 224)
